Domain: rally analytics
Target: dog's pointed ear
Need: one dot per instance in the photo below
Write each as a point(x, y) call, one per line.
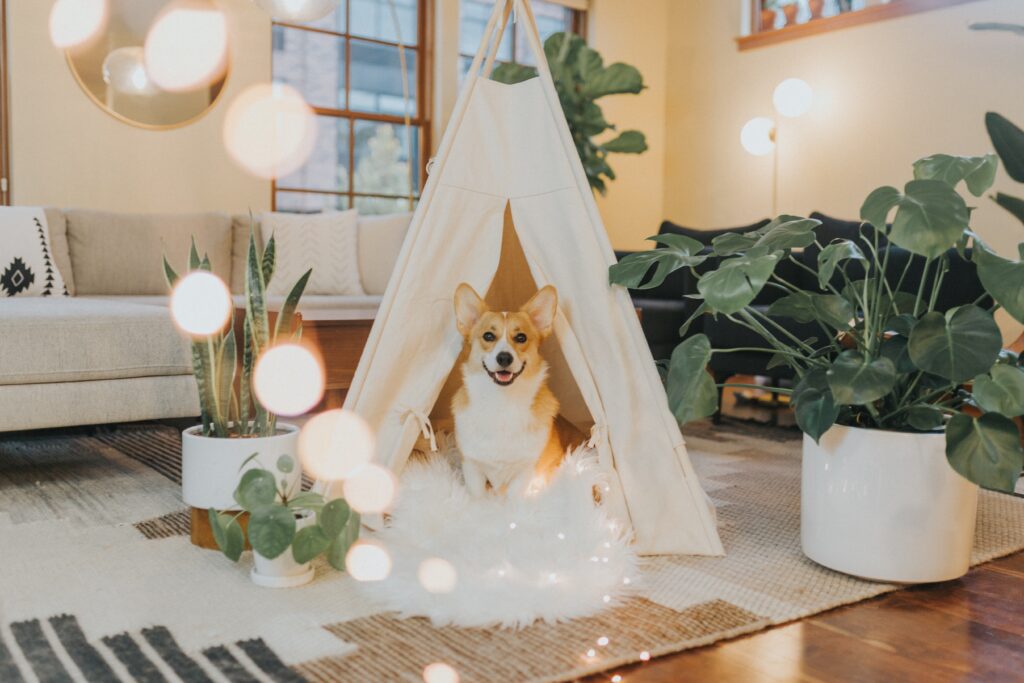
point(468, 308)
point(542, 308)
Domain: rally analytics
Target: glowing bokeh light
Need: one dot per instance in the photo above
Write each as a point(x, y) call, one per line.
point(288, 379)
point(370, 489)
point(76, 22)
point(124, 70)
point(756, 136)
point(269, 130)
point(793, 97)
point(298, 10)
point(439, 672)
point(367, 561)
point(334, 443)
point(201, 304)
point(187, 46)
point(437, 575)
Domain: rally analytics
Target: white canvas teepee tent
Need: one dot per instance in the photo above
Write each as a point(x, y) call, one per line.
point(507, 208)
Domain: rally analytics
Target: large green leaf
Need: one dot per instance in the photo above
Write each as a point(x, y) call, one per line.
point(256, 489)
point(895, 349)
point(615, 79)
point(732, 243)
point(925, 418)
point(814, 407)
point(227, 534)
point(786, 232)
point(957, 345)
point(985, 450)
point(1002, 278)
point(875, 209)
point(931, 217)
point(978, 172)
point(1001, 391)
point(692, 394)
point(513, 73)
point(339, 546)
point(309, 542)
point(628, 142)
point(271, 530)
point(679, 252)
point(804, 307)
point(855, 380)
point(286, 321)
point(736, 282)
point(832, 255)
point(334, 516)
point(1015, 205)
point(1008, 140)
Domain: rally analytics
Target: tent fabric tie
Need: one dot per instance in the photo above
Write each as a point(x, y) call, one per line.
point(426, 428)
point(598, 435)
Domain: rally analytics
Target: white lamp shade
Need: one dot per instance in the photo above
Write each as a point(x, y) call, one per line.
point(756, 136)
point(124, 70)
point(298, 10)
point(793, 97)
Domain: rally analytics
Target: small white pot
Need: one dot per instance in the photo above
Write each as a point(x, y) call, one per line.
point(282, 571)
point(210, 466)
point(886, 506)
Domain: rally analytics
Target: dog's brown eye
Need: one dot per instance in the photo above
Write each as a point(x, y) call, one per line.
point(520, 338)
point(489, 336)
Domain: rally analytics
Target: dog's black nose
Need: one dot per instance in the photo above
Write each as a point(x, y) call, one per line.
point(504, 359)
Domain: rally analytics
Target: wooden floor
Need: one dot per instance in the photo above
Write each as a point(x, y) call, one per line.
point(966, 630)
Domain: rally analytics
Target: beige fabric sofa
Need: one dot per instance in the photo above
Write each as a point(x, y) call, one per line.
point(109, 352)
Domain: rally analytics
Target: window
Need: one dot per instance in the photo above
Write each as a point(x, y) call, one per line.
point(552, 17)
point(347, 66)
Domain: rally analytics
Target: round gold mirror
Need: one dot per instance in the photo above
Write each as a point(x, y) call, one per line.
point(157, 63)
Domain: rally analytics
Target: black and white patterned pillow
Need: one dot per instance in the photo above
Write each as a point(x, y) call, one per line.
point(26, 261)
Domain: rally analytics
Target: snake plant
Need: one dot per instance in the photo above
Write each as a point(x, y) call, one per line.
point(229, 408)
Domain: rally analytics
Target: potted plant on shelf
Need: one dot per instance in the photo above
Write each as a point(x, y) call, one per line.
point(234, 422)
point(287, 527)
point(905, 409)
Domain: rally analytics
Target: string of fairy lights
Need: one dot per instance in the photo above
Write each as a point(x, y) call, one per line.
point(269, 130)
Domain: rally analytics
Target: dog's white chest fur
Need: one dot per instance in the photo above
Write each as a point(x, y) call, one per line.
point(498, 433)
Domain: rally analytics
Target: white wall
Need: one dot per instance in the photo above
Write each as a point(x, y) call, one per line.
point(66, 151)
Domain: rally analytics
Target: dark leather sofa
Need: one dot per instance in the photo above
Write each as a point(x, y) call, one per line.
point(665, 308)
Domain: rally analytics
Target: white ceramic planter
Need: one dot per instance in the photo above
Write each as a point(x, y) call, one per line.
point(282, 571)
point(210, 466)
point(886, 506)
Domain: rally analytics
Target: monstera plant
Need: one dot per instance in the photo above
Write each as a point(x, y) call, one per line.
point(581, 79)
point(885, 358)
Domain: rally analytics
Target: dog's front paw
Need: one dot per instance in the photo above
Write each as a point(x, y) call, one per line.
point(476, 480)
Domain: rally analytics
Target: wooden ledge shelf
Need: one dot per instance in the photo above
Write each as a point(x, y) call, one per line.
point(896, 8)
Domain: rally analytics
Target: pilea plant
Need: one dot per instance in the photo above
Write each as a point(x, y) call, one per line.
point(273, 510)
point(229, 408)
point(581, 79)
point(885, 358)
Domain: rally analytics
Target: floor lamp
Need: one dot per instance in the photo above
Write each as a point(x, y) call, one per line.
point(793, 97)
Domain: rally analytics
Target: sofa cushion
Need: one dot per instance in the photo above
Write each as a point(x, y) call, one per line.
point(380, 241)
point(325, 242)
point(120, 253)
point(58, 227)
point(73, 339)
point(705, 236)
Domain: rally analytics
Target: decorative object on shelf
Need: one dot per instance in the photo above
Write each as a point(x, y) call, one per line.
point(234, 421)
point(287, 527)
point(156, 64)
point(299, 11)
point(886, 360)
point(581, 79)
point(784, 9)
point(792, 98)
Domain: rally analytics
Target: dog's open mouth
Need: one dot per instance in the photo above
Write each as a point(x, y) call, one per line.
point(504, 377)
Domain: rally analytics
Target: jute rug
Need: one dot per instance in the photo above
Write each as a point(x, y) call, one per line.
point(98, 580)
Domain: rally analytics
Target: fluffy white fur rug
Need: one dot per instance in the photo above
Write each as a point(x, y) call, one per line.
point(552, 555)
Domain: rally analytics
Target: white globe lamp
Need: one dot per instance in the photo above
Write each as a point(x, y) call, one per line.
point(758, 136)
point(793, 97)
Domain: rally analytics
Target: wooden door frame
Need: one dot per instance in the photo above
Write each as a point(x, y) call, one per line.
point(5, 110)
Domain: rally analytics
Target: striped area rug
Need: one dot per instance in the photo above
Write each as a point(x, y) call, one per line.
point(98, 581)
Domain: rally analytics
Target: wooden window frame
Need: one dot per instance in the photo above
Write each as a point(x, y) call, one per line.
point(5, 111)
point(760, 37)
point(579, 27)
point(420, 118)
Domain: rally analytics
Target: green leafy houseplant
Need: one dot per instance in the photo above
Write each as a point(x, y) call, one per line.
point(227, 410)
point(888, 360)
point(581, 79)
point(273, 510)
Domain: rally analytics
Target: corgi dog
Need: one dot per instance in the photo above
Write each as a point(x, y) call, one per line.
point(504, 413)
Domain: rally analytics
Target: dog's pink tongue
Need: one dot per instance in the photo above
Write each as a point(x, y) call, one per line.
point(504, 375)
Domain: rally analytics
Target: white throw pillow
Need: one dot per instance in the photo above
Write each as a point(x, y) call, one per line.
point(380, 241)
point(326, 242)
point(26, 258)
